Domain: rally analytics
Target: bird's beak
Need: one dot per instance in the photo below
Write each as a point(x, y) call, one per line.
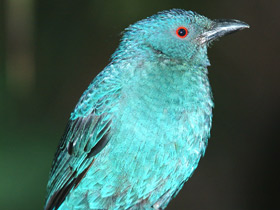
point(221, 28)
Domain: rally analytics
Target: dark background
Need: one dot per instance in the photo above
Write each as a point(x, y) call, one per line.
point(50, 50)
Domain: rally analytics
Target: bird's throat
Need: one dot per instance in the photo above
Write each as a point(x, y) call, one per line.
point(167, 86)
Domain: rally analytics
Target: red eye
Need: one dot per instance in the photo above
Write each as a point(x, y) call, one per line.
point(182, 32)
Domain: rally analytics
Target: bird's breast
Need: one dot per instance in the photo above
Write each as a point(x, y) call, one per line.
point(163, 121)
point(157, 136)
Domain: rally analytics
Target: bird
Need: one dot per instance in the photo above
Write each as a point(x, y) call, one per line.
point(139, 130)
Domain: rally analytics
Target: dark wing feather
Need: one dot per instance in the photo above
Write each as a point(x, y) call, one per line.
point(86, 134)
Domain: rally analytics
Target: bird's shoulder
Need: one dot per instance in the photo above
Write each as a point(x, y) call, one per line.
point(86, 134)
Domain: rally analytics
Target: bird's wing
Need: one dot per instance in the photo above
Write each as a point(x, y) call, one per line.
point(86, 134)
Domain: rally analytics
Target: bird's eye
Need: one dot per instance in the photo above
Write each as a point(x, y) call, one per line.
point(182, 32)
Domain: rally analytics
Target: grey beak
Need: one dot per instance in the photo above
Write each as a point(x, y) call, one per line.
point(221, 28)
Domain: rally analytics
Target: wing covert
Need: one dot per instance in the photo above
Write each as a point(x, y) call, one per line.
point(86, 134)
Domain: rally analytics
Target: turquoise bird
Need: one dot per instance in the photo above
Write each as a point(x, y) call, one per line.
point(139, 130)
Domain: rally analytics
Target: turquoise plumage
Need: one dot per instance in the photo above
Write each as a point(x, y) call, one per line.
point(140, 129)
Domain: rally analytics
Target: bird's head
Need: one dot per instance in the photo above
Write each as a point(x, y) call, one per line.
point(178, 35)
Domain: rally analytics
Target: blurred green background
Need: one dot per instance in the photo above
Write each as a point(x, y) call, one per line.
point(50, 51)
